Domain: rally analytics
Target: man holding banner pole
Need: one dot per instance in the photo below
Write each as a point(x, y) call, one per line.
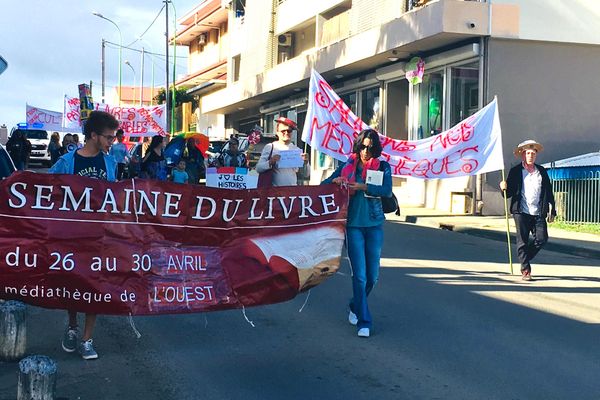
point(93, 161)
point(532, 200)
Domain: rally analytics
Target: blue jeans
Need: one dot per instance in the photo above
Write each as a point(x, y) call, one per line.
point(364, 250)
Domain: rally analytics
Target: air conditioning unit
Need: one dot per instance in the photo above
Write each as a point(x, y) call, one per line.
point(285, 39)
point(202, 39)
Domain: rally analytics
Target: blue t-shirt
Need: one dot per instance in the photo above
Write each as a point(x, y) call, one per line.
point(119, 152)
point(92, 167)
point(179, 176)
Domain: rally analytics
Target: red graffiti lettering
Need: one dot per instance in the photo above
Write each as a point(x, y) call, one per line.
point(322, 97)
point(470, 163)
point(460, 133)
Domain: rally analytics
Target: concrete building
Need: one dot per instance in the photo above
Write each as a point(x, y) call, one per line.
point(539, 57)
point(205, 30)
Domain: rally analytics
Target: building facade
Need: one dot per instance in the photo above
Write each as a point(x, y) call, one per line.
point(538, 58)
point(205, 31)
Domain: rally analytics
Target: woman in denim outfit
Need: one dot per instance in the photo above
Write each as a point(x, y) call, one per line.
point(364, 228)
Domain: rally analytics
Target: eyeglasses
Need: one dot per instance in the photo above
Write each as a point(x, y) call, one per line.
point(110, 138)
point(285, 131)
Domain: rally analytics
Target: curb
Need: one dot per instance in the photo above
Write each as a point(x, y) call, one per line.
point(552, 245)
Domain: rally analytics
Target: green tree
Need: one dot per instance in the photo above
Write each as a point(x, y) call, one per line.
point(180, 97)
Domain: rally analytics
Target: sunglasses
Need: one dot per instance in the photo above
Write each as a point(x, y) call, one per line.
point(363, 147)
point(286, 131)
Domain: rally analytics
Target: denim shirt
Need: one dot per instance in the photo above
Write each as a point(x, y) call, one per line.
point(366, 211)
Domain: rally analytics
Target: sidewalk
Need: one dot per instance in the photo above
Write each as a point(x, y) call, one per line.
point(494, 227)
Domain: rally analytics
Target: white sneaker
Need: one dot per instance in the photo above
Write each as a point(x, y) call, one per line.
point(352, 318)
point(364, 332)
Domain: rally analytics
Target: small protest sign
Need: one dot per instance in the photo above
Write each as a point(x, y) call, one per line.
point(231, 178)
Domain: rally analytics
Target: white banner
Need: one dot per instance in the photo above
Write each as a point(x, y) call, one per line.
point(38, 118)
point(473, 146)
point(135, 121)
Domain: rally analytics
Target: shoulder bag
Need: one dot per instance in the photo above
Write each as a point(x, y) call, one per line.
point(390, 204)
point(265, 179)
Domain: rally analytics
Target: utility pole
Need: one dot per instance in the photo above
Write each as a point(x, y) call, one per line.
point(167, 97)
point(103, 70)
point(142, 80)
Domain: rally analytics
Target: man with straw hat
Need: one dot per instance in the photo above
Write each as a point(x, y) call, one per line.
point(531, 201)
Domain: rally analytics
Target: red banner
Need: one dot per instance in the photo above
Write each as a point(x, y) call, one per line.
point(148, 247)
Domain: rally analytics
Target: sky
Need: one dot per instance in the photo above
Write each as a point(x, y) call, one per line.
point(52, 46)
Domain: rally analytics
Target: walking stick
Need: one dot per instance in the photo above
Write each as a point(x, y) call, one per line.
point(507, 225)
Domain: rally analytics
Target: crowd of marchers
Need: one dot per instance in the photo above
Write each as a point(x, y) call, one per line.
point(365, 175)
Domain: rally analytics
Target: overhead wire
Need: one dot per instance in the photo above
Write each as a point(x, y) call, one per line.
point(149, 26)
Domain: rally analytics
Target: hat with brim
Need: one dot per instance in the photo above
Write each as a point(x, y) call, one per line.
point(286, 121)
point(527, 145)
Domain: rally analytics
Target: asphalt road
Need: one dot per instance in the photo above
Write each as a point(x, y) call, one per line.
point(450, 323)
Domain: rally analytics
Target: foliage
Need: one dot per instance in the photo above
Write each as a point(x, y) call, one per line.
point(180, 97)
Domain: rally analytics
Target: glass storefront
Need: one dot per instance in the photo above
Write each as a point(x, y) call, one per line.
point(431, 105)
point(369, 110)
point(464, 88)
point(445, 97)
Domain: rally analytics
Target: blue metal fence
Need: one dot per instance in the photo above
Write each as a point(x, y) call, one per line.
point(578, 199)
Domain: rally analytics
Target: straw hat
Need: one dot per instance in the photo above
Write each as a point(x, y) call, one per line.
point(527, 145)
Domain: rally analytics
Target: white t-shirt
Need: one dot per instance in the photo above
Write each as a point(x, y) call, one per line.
point(532, 192)
point(281, 176)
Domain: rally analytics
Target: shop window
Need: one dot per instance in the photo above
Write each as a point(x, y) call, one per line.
point(465, 92)
point(431, 105)
point(350, 100)
point(396, 106)
point(370, 107)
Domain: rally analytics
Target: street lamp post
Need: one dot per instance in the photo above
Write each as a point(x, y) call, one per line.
point(103, 70)
point(132, 70)
point(142, 74)
point(97, 14)
point(142, 80)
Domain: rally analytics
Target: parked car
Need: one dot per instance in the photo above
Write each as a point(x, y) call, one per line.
point(252, 151)
point(214, 150)
point(134, 167)
point(255, 151)
point(6, 164)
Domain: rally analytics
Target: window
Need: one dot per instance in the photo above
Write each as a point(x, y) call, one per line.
point(350, 100)
point(444, 98)
point(239, 8)
point(235, 68)
point(431, 105)
point(370, 107)
point(465, 92)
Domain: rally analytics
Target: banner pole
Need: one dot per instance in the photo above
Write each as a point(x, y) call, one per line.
point(507, 225)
